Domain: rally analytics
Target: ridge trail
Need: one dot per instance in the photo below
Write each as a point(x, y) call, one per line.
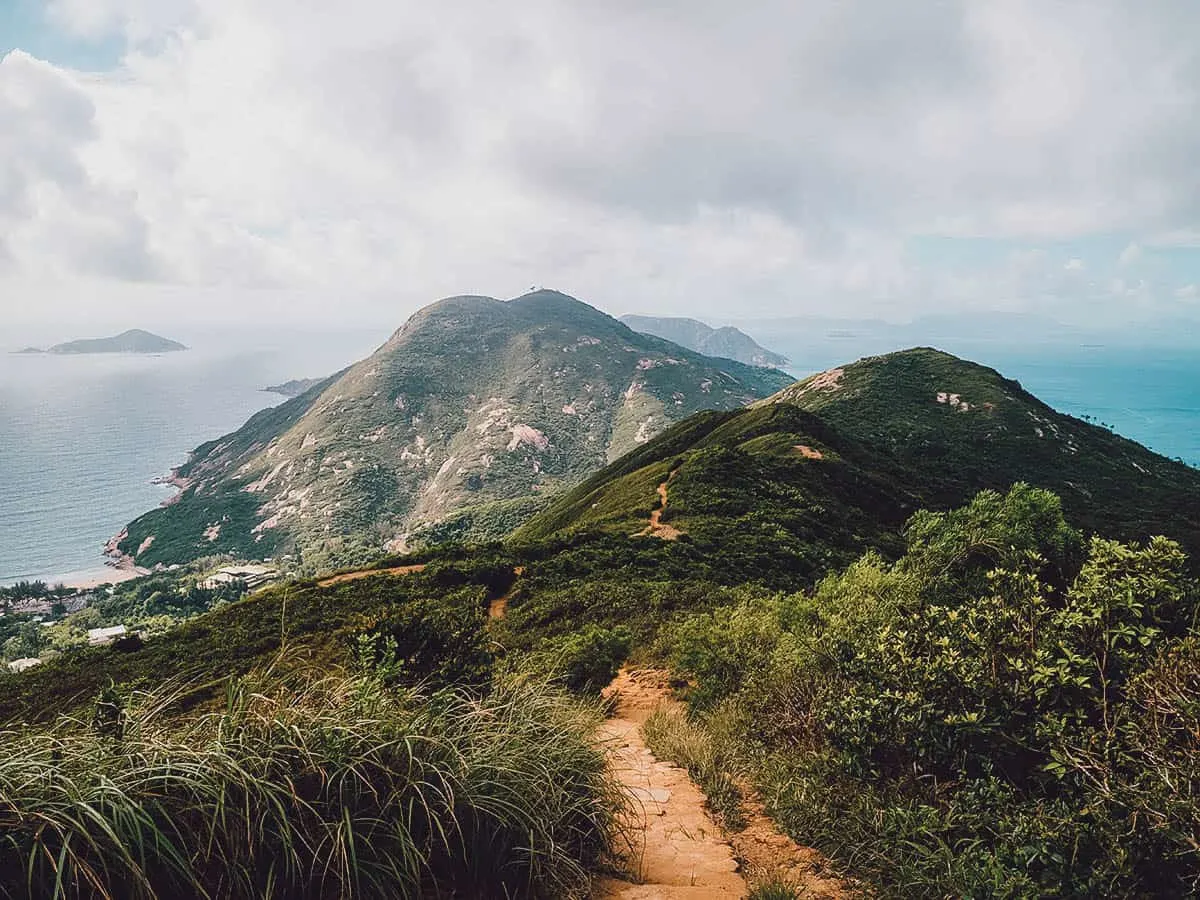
point(674, 850)
point(656, 528)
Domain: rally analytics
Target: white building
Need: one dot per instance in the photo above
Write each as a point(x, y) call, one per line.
point(99, 636)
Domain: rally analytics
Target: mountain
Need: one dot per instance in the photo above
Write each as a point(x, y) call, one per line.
point(837, 462)
point(134, 341)
point(293, 388)
point(461, 425)
point(726, 342)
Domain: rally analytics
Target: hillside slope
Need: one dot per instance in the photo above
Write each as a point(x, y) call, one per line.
point(726, 342)
point(838, 461)
point(476, 409)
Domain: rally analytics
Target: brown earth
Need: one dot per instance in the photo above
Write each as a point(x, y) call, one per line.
point(498, 607)
point(809, 452)
point(369, 573)
point(656, 528)
point(673, 847)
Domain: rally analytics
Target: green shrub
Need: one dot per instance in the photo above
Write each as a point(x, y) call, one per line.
point(1001, 712)
point(437, 643)
point(585, 661)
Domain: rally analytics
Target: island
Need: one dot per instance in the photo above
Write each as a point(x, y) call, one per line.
point(133, 341)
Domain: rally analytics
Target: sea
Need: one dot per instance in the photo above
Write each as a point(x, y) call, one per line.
point(82, 438)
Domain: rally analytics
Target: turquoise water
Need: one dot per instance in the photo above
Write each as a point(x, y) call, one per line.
point(81, 438)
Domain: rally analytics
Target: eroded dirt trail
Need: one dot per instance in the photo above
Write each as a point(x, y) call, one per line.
point(369, 573)
point(656, 528)
point(674, 849)
point(498, 608)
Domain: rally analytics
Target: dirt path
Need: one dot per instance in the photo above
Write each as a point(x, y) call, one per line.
point(656, 528)
point(369, 573)
point(676, 850)
point(499, 607)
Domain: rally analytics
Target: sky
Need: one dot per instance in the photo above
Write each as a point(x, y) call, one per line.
point(344, 164)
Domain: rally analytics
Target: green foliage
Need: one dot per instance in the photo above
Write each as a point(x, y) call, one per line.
point(432, 643)
point(311, 788)
point(179, 530)
point(583, 661)
point(992, 715)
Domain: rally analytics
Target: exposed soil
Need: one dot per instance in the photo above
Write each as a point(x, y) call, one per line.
point(656, 528)
point(674, 849)
point(369, 573)
point(809, 452)
point(499, 607)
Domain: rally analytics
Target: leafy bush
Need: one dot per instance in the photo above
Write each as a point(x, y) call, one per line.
point(583, 661)
point(998, 713)
point(433, 642)
point(333, 787)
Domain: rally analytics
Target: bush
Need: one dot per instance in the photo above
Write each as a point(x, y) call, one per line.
point(432, 642)
point(333, 787)
point(1000, 712)
point(585, 661)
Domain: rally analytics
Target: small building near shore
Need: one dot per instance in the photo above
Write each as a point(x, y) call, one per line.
point(250, 575)
point(98, 637)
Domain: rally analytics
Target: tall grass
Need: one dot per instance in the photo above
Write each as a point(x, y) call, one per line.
point(328, 788)
point(671, 735)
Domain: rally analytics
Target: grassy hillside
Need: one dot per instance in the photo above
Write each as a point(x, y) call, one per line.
point(936, 676)
point(880, 438)
point(962, 427)
point(473, 411)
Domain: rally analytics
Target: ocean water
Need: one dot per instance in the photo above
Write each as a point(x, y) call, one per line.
point(82, 437)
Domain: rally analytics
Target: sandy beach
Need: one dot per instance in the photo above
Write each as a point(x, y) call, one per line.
point(93, 578)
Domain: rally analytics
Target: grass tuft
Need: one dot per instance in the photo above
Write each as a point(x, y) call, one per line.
point(331, 787)
point(670, 735)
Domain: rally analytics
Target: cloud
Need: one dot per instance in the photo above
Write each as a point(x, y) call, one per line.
point(679, 156)
point(52, 210)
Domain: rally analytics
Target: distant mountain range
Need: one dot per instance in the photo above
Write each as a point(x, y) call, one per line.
point(726, 342)
point(469, 419)
point(133, 341)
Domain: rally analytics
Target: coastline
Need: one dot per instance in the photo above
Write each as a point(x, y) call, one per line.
point(89, 579)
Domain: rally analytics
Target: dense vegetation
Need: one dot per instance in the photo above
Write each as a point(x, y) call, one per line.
point(1006, 710)
point(332, 787)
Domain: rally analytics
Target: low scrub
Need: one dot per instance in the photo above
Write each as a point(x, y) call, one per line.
point(334, 787)
point(1005, 711)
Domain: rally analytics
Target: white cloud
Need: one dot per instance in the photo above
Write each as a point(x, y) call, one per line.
point(692, 156)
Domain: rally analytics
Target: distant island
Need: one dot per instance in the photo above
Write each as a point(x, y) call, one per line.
point(727, 342)
point(133, 341)
point(293, 388)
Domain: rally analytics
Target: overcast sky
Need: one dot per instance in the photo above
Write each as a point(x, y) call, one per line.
point(241, 159)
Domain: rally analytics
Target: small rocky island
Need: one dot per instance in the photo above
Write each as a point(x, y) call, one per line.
point(133, 341)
